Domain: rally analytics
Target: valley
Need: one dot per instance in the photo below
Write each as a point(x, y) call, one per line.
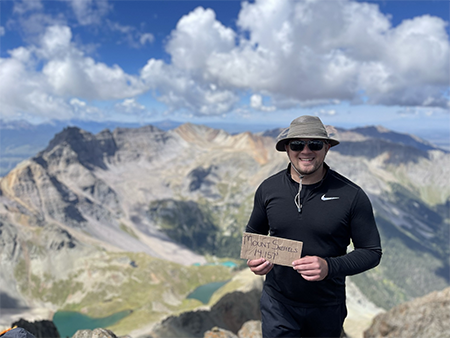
point(137, 218)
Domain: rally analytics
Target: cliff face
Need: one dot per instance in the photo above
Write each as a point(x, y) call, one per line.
point(427, 316)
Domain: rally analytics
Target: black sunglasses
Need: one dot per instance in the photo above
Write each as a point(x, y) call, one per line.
point(314, 145)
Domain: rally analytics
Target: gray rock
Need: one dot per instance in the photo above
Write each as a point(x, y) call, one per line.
point(96, 333)
point(217, 332)
point(428, 316)
point(228, 314)
point(39, 328)
point(251, 329)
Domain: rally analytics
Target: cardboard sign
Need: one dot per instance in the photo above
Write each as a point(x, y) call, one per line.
point(274, 249)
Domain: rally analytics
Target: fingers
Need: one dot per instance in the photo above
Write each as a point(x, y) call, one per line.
point(259, 266)
point(312, 268)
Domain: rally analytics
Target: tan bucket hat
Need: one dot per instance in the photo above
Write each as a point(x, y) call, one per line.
point(304, 127)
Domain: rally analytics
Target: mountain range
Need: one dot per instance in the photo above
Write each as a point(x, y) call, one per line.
point(128, 219)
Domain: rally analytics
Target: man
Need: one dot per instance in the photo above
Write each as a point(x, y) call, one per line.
point(312, 203)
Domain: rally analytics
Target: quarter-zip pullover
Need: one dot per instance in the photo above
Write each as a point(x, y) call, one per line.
point(334, 211)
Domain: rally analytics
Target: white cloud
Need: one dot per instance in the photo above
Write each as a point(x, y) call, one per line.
point(180, 91)
point(2, 30)
point(130, 106)
point(184, 84)
point(90, 12)
point(130, 35)
point(146, 38)
point(256, 102)
point(24, 91)
point(66, 73)
point(294, 53)
point(323, 112)
point(70, 73)
point(24, 6)
point(83, 110)
point(309, 53)
point(197, 37)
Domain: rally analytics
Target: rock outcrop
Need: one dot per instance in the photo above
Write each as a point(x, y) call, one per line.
point(96, 333)
point(229, 313)
point(428, 316)
point(40, 328)
point(250, 329)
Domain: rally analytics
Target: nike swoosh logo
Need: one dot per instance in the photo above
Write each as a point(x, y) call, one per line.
point(323, 198)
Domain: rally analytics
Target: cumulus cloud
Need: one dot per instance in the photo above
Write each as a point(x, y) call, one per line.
point(66, 73)
point(185, 83)
point(131, 107)
point(256, 102)
point(2, 30)
point(24, 90)
point(294, 53)
point(71, 73)
point(179, 91)
point(198, 37)
point(309, 53)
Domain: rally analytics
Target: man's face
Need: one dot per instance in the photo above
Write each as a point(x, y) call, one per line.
point(307, 161)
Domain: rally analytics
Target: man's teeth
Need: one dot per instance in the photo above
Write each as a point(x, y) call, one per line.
point(306, 159)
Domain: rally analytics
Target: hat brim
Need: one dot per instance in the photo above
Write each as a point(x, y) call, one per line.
point(281, 144)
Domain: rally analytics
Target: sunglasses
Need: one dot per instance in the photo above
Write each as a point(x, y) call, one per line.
point(314, 145)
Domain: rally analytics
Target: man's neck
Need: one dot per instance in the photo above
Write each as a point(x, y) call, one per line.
point(312, 178)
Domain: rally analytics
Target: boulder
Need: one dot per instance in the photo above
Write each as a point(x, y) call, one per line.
point(96, 333)
point(40, 328)
point(427, 316)
point(217, 332)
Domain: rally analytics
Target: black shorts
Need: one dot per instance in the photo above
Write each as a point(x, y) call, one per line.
point(282, 320)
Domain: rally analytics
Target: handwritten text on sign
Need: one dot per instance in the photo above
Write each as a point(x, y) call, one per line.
point(275, 249)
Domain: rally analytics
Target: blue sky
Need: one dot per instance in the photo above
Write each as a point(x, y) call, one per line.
point(352, 63)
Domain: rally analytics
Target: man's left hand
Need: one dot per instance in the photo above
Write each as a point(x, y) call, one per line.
point(312, 268)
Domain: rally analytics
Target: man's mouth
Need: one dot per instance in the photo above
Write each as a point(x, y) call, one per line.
point(306, 159)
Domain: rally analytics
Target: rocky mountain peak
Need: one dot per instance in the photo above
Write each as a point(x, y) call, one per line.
point(378, 132)
point(200, 134)
point(76, 145)
point(71, 136)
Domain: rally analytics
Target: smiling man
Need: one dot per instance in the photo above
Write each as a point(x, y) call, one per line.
point(312, 203)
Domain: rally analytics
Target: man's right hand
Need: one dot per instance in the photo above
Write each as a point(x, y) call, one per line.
point(259, 266)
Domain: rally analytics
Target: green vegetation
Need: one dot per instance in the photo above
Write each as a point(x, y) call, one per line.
point(112, 282)
point(201, 226)
point(128, 230)
point(414, 262)
point(44, 288)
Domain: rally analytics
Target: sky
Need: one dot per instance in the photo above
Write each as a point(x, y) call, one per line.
point(352, 63)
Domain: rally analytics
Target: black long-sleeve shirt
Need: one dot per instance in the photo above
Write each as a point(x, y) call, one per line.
point(334, 211)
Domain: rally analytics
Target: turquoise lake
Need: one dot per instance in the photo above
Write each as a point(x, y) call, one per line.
point(68, 322)
point(204, 292)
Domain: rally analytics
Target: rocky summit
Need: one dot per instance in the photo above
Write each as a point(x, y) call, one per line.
point(137, 218)
point(427, 316)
